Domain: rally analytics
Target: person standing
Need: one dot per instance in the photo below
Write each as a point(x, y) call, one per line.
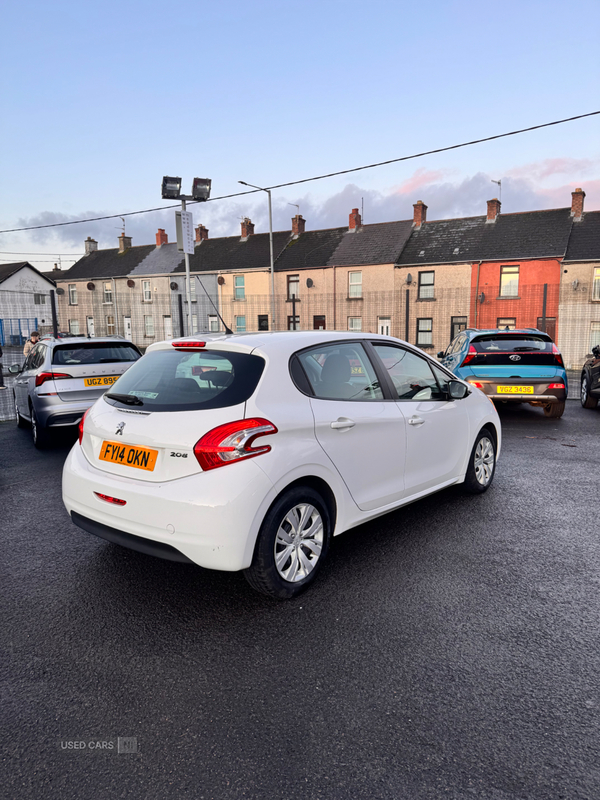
point(31, 343)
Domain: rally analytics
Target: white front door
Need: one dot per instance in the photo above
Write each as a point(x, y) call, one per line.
point(90, 327)
point(384, 325)
point(168, 325)
point(127, 327)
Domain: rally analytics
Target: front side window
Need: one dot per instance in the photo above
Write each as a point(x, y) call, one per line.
point(72, 294)
point(425, 332)
point(355, 284)
point(239, 288)
point(293, 286)
point(147, 290)
point(506, 322)
point(149, 325)
point(108, 298)
point(426, 285)
point(596, 284)
point(74, 327)
point(411, 375)
point(509, 281)
point(594, 335)
point(340, 372)
point(355, 323)
point(240, 324)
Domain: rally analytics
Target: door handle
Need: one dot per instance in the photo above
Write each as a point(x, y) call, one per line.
point(416, 421)
point(342, 423)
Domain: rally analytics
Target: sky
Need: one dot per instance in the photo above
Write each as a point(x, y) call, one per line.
point(101, 100)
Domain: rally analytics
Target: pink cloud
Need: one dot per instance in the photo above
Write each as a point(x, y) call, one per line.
point(422, 177)
point(539, 170)
point(560, 196)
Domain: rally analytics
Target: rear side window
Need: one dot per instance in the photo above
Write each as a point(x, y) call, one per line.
point(94, 353)
point(166, 380)
point(340, 372)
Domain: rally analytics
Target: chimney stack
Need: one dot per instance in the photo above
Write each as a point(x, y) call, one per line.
point(124, 243)
point(493, 209)
point(247, 228)
point(354, 221)
point(577, 204)
point(91, 245)
point(161, 237)
point(420, 214)
point(201, 233)
point(298, 224)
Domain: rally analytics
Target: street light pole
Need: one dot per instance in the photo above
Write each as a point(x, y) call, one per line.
point(188, 292)
point(268, 191)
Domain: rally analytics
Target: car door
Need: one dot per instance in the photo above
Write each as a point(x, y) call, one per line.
point(25, 379)
point(437, 428)
point(361, 431)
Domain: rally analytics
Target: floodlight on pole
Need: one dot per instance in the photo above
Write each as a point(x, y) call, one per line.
point(201, 189)
point(171, 188)
point(268, 191)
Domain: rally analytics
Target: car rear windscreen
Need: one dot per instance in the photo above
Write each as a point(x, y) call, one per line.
point(507, 348)
point(92, 352)
point(165, 380)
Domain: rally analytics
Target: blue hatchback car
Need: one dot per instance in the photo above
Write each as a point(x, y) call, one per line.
point(517, 366)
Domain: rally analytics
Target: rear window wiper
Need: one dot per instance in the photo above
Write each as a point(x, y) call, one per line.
point(112, 360)
point(128, 399)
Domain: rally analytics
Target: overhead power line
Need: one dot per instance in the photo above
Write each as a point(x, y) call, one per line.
point(316, 177)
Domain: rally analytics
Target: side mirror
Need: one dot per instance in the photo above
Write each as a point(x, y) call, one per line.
point(14, 369)
point(441, 354)
point(457, 390)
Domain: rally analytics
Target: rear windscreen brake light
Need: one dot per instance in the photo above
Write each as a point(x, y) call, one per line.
point(188, 345)
point(232, 442)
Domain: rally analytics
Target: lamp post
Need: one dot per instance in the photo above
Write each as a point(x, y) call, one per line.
point(268, 191)
point(171, 190)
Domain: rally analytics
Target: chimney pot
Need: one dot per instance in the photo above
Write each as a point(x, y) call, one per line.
point(247, 228)
point(124, 243)
point(161, 237)
point(578, 197)
point(91, 245)
point(420, 213)
point(355, 220)
point(201, 233)
point(493, 209)
point(298, 224)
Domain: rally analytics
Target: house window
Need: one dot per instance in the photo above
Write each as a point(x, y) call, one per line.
point(39, 299)
point(426, 285)
point(149, 326)
point(509, 281)
point(596, 284)
point(108, 297)
point(240, 290)
point(147, 291)
point(213, 324)
point(240, 324)
point(355, 284)
point(355, 323)
point(194, 323)
point(72, 294)
point(457, 324)
point(263, 322)
point(425, 332)
point(293, 323)
point(74, 327)
point(110, 325)
point(594, 335)
point(506, 322)
point(293, 286)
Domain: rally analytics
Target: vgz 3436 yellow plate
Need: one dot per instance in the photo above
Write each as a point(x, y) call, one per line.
point(514, 389)
point(138, 457)
point(103, 380)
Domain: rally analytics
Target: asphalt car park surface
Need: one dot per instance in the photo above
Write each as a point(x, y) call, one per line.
point(447, 650)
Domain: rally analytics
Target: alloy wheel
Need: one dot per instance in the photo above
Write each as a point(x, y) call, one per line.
point(299, 542)
point(484, 461)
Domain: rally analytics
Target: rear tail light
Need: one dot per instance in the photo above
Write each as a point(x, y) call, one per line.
point(41, 377)
point(188, 345)
point(470, 356)
point(476, 384)
point(108, 499)
point(81, 424)
point(557, 355)
point(556, 386)
point(232, 442)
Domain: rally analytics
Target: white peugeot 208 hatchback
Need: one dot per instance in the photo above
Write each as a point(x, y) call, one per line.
point(250, 451)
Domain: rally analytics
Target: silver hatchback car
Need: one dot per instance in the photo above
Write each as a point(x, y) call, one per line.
point(62, 378)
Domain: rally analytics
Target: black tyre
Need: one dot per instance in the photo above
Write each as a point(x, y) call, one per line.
point(292, 544)
point(39, 434)
point(20, 420)
point(554, 410)
point(587, 400)
point(482, 463)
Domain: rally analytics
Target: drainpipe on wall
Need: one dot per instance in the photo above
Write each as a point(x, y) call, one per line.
point(115, 306)
point(477, 294)
point(334, 299)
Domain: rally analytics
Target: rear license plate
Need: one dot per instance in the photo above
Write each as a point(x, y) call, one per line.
point(104, 380)
point(138, 457)
point(514, 389)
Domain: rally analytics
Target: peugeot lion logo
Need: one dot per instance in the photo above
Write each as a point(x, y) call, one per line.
point(120, 427)
point(515, 358)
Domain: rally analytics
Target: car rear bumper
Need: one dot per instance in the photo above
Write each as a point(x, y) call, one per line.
point(52, 412)
point(523, 390)
point(199, 517)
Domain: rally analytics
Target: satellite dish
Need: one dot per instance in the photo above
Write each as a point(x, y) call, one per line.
point(60, 291)
point(482, 297)
point(130, 283)
point(91, 286)
point(173, 285)
point(309, 282)
point(220, 280)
